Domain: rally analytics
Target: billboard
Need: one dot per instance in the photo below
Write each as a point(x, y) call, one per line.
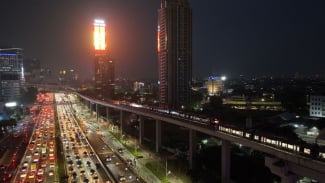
point(99, 35)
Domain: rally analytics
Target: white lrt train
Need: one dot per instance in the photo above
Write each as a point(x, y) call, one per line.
point(309, 150)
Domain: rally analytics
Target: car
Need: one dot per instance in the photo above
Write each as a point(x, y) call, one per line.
point(130, 177)
point(82, 171)
point(85, 153)
point(74, 175)
point(129, 161)
point(40, 171)
point(120, 150)
point(43, 157)
point(23, 169)
point(121, 178)
point(43, 164)
point(92, 171)
point(51, 156)
point(25, 164)
point(108, 159)
point(52, 164)
point(40, 178)
point(51, 172)
point(88, 163)
point(23, 175)
point(31, 175)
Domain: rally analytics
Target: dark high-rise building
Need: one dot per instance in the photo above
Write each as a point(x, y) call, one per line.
point(11, 73)
point(104, 66)
point(174, 53)
point(104, 75)
point(32, 69)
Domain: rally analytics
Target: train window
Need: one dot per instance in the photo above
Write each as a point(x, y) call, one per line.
point(297, 148)
point(306, 151)
point(247, 135)
point(285, 145)
point(322, 155)
point(256, 137)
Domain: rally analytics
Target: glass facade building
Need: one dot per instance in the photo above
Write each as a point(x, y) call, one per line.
point(11, 73)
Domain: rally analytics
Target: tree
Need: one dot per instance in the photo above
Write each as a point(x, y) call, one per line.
point(213, 106)
point(196, 100)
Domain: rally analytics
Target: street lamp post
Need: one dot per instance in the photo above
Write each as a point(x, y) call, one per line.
point(166, 169)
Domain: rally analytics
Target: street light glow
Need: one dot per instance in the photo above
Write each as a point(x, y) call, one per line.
point(11, 104)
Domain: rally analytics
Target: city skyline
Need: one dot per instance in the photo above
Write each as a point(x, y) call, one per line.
point(229, 37)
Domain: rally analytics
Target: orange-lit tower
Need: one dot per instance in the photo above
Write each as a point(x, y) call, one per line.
point(104, 66)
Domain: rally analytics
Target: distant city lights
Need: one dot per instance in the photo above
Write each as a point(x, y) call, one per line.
point(11, 104)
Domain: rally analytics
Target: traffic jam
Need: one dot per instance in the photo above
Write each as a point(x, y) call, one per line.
point(38, 162)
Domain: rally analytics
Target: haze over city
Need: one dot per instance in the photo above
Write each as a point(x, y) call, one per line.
point(229, 37)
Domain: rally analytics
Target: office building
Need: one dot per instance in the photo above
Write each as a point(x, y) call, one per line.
point(138, 86)
point(317, 106)
point(104, 66)
point(11, 73)
point(215, 85)
point(174, 39)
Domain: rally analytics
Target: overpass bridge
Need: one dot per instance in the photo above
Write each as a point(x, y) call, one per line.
point(292, 166)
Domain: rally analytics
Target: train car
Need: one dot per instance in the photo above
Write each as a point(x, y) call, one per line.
point(313, 151)
point(277, 141)
point(230, 129)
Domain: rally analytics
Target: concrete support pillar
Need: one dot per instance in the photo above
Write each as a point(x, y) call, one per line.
point(97, 114)
point(90, 107)
point(121, 121)
point(282, 169)
point(158, 135)
point(141, 129)
point(107, 113)
point(225, 161)
point(192, 146)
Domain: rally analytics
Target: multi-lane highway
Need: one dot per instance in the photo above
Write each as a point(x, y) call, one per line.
point(90, 146)
point(81, 161)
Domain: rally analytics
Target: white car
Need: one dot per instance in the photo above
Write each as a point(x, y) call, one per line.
point(40, 171)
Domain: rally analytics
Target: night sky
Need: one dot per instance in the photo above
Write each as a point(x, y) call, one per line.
point(231, 37)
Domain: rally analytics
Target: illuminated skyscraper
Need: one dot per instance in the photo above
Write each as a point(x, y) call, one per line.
point(215, 85)
point(11, 73)
point(174, 48)
point(104, 66)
